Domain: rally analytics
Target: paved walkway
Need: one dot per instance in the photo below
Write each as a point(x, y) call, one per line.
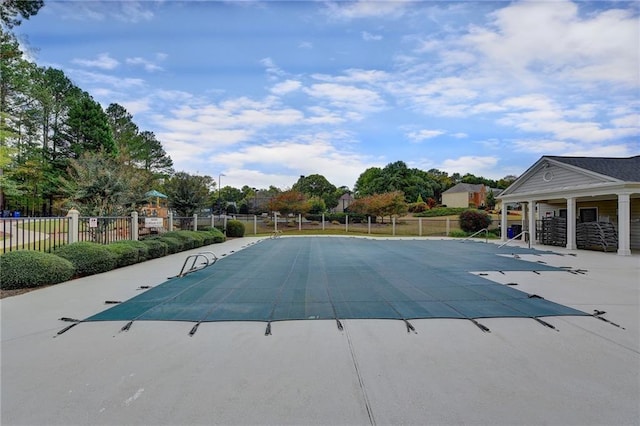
point(309, 372)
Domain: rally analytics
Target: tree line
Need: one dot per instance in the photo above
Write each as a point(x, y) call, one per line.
point(60, 149)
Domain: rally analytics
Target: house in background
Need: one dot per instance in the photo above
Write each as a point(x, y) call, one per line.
point(468, 195)
point(343, 203)
point(580, 202)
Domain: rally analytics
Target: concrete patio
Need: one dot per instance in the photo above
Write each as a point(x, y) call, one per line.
point(587, 372)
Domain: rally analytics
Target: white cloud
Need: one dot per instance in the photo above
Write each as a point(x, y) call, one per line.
point(272, 69)
point(92, 78)
point(285, 87)
point(557, 147)
point(366, 9)
point(356, 75)
point(347, 97)
point(422, 135)
point(477, 165)
point(367, 36)
point(568, 47)
point(145, 63)
point(305, 45)
point(103, 61)
point(133, 11)
point(297, 157)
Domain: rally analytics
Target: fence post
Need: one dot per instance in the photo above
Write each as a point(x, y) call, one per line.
point(195, 222)
point(74, 227)
point(255, 225)
point(170, 221)
point(346, 223)
point(420, 227)
point(448, 227)
point(299, 222)
point(134, 226)
point(224, 224)
point(393, 226)
point(275, 222)
point(213, 220)
point(369, 224)
point(323, 221)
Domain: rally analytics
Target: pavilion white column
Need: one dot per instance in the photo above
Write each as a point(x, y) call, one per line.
point(571, 223)
point(503, 222)
point(532, 221)
point(624, 225)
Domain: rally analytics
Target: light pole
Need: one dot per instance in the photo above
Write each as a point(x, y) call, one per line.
point(255, 200)
point(220, 194)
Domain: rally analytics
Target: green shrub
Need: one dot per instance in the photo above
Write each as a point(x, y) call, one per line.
point(88, 258)
point(24, 269)
point(187, 240)
point(126, 254)
point(174, 244)
point(143, 249)
point(235, 228)
point(155, 248)
point(441, 211)
point(196, 236)
point(474, 220)
point(457, 233)
point(218, 236)
point(212, 236)
point(418, 207)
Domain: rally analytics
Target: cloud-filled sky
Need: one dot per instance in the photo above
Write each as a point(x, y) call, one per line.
point(265, 91)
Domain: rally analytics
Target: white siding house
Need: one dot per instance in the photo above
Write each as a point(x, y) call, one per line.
point(583, 190)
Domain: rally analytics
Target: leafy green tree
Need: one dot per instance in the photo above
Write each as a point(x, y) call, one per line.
point(396, 177)
point(490, 200)
point(88, 128)
point(317, 205)
point(124, 130)
point(291, 201)
point(369, 182)
point(14, 81)
point(318, 186)
point(98, 185)
point(387, 204)
point(506, 181)
point(13, 11)
point(188, 193)
point(151, 156)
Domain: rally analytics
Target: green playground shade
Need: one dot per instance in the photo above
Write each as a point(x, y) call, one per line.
point(345, 278)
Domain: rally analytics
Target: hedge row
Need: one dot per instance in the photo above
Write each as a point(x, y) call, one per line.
point(24, 268)
point(341, 217)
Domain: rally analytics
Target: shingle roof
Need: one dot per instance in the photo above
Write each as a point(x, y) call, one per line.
point(464, 187)
point(626, 169)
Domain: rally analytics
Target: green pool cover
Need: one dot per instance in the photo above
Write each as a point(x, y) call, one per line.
point(345, 278)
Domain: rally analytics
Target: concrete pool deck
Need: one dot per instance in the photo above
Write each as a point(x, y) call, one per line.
point(586, 372)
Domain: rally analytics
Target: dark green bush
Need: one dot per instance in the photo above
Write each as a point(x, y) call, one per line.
point(88, 258)
point(174, 244)
point(212, 236)
point(474, 220)
point(340, 217)
point(155, 248)
point(235, 228)
point(457, 233)
point(143, 249)
point(126, 253)
point(24, 269)
point(218, 235)
point(196, 236)
point(441, 211)
point(188, 242)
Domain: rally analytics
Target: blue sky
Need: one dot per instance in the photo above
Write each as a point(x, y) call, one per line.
point(264, 92)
